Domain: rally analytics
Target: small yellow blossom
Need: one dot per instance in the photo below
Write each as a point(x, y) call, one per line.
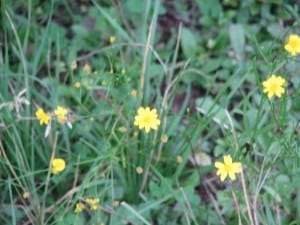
point(77, 84)
point(116, 204)
point(42, 116)
point(274, 85)
point(102, 174)
point(179, 159)
point(79, 207)
point(139, 170)
point(112, 39)
point(58, 165)
point(93, 203)
point(74, 65)
point(228, 168)
point(292, 45)
point(122, 129)
point(164, 138)
point(146, 119)
point(61, 113)
point(123, 71)
point(26, 195)
point(87, 68)
point(134, 92)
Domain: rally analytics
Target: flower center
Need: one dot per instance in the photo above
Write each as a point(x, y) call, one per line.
point(274, 87)
point(227, 168)
point(147, 119)
point(294, 44)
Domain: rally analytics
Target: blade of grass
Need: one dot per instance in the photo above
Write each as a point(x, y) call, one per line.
point(23, 60)
point(11, 202)
point(25, 42)
point(4, 77)
point(47, 181)
point(144, 80)
point(43, 39)
point(180, 198)
point(113, 23)
point(135, 213)
point(144, 67)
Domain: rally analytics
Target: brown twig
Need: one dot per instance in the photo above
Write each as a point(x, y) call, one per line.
point(236, 206)
point(214, 201)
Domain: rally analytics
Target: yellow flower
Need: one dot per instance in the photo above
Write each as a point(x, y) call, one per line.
point(74, 65)
point(228, 168)
point(93, 203)
point(179, 159)
point(122, 129)
point(164, 138)
point(147, 119)
point(292, 45)
point(58, 165)
point(139, 170)
point(26, 195)
point(61, 112)
point(79, 207)
point(77, 84)
point(116, 204)
point(274, 85)
point(42, 116)
point(112, 39)
point(87, 68)
point(134, 92)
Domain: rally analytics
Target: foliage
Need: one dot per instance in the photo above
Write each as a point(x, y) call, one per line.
point(75, 73)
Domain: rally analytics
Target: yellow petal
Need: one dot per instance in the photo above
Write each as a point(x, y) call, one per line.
point(219, 165)
point(227, 159)
point(223, 176)
point(237, 167)
point(232, 175)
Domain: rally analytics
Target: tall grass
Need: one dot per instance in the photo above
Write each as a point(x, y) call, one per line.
point(208, 93)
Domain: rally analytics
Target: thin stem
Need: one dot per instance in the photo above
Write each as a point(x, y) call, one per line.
point(246, 198)
point(21, 54)
point(236, 144)
point(48, 178)
point(145, 61)
point(236, 206)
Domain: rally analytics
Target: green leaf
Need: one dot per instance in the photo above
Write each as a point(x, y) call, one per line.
point(188, 43)
point(237, 38)
point(212, 110)
point(202, 159)
point(71, 218)
point(276, 30)
point(275, 195)
point(80, 30)
point(192, 197)
point(192, 180)
point(135, 6)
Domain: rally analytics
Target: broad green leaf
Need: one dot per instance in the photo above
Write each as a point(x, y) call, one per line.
point(237, 38)
point(273, 193)
point(201, 159)
point(136, 6)
point(188, 43)
point(212, 110)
